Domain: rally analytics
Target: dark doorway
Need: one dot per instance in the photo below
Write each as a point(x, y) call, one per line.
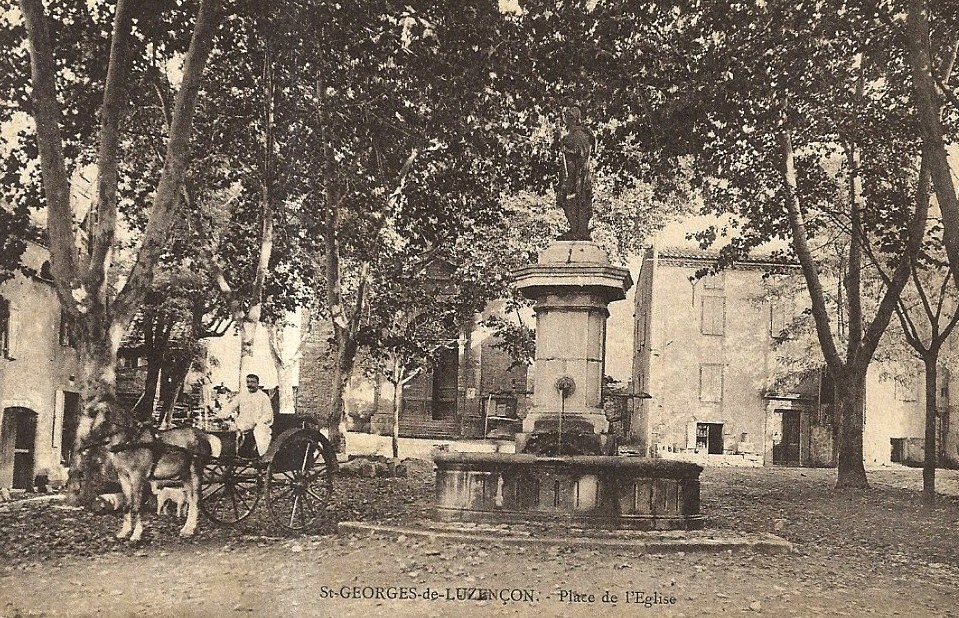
point(786, 453)
point(445, 382)
point(19, 435)
point(709, 438)
point(898, 450)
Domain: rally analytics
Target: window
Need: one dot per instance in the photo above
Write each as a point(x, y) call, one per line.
point(777, 320)
point(711, 383)
point(4, 327)
point(713, 319)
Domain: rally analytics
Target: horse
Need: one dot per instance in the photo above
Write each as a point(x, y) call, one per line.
point(139, 453)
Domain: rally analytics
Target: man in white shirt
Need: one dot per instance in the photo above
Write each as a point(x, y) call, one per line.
point(254, 412)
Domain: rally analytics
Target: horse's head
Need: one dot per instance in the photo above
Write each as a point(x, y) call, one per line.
point(94, 426)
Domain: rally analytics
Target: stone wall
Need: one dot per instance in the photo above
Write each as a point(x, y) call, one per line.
point(35, 376)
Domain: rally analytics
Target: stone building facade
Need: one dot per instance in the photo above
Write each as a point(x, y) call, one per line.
point(704, 354)
point(705, 376)
point(39, 394)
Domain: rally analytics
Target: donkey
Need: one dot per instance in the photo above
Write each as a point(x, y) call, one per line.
point(140, 453)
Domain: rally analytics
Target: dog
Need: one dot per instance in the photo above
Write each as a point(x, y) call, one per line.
point(174, 495)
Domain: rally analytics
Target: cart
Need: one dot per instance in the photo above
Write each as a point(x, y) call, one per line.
point(294, 476)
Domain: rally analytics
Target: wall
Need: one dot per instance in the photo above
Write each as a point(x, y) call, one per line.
point(39, 369)
point(895, 409)
point(226, 351)
point(699, 336)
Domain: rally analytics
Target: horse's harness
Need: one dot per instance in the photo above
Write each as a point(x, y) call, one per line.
point(156, 446)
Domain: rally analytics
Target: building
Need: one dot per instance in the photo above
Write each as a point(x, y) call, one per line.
point(707, 378)
point(39, 394)
point(704, 356)
point(894, 430)
point(471, 392)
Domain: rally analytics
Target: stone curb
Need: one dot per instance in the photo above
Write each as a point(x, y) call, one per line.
point(645, 542)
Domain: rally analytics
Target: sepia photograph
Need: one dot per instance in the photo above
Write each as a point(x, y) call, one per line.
point(552, 308)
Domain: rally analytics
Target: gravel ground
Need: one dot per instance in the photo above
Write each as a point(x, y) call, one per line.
point(859, 553)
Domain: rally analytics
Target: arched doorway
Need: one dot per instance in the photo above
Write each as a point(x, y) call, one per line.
point(18, 439)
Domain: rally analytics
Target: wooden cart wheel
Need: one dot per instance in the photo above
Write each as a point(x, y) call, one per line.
point(299, 481)
point(229, 491)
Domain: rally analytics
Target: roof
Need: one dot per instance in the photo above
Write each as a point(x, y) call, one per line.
point(685, 256)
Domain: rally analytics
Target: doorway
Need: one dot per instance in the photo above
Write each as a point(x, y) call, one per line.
point(709, 438)
point(898, 450)
point(786, 453)
point(18, 438)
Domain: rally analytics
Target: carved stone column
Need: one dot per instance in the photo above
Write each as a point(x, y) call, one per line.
point(572, 284)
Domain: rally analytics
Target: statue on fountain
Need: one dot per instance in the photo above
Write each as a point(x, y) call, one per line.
point(574, 193)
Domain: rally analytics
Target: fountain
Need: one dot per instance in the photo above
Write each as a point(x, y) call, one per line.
point(563, 470)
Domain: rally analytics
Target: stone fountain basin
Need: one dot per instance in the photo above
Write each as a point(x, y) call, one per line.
point(587, 491)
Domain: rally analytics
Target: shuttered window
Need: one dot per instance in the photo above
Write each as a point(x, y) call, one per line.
point(713, 320)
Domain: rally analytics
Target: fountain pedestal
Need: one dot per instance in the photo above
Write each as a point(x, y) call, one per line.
point(562, 471)
point(572, 283)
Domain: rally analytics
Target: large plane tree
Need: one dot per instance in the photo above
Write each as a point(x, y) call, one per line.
point(85, 62)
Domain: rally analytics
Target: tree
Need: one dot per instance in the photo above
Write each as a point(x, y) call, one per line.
point(795, 114)
point(177, 314)
point(15, 230)
point(929, 77)
point(103, 304)
point(928, 318)
point(238, 236)
point(286, 353)
point(418, 310)
point(388, 153)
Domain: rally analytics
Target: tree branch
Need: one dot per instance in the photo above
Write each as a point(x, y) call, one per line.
point(56, 180)
point(931, 129)
point(857, 241)
point(174, 167)
point(890, 298)
point(103, 230)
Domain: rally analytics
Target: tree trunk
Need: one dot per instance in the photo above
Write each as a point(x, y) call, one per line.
point(285, 363)
point(397, 407)
point(98, 361)
point(248, 325)
point(931, 442)
point(399, 381)
point(345, 358)
point(178, 368)
point(850, 402)
point(143, 409)
point(284, 382)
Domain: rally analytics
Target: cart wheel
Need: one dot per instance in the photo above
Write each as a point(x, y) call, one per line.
point(299, 481)
point(229, 491)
